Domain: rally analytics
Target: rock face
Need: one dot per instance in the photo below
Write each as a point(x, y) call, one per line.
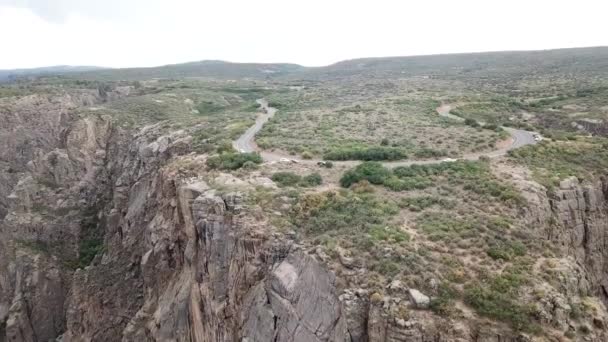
point(579, 226)
point(297, 302)
point(180, 261)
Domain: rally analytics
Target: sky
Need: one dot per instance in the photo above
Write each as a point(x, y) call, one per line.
point(138, 33)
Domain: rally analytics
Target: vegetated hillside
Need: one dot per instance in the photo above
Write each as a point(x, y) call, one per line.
point(8, 75)
point(480, 65)
point(579, 61)
point(209, 69)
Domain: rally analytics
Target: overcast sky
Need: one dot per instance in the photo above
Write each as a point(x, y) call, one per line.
point(128, 33)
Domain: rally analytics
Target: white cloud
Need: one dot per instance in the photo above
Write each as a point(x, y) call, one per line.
point(314, 32)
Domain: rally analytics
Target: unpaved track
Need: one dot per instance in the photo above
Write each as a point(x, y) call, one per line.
point(246, 142)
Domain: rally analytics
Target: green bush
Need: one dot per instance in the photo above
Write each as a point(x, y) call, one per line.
point(475, 176)
point(406, 184)
point(423, 202)
point(225, 147)
point(276, 104)
point(429, 153)
point(444, 226)
point(208, 107)
point(471, 122)
point(553, 161)
point(507, 251)
point(312, 179)
point(91, 238)
point(286, 178)
point(233, 161)
point(373, 172)
point(249, 165)
point(306, 155)
point(388, 234)
point(443, 303)
point(327, 164)
point(346, 213)
point(368, 154)
point(291, 179)
point(497, 298)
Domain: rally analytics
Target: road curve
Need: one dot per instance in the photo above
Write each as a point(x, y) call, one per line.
point(246, 142)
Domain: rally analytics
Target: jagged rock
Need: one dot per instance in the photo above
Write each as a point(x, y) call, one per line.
point(568, 183)
point(299, 302)
point(18, 325)
point(346, 260)
point(356, 307)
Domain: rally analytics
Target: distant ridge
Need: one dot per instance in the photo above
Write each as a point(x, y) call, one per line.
point(7, 75)
point(476, 65)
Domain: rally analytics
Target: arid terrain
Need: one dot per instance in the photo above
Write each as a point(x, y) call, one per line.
point(432, 198)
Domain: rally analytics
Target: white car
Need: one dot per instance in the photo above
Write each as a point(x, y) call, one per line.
point(449, 160)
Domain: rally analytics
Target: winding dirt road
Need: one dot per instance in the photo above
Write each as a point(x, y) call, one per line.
point(246, 142)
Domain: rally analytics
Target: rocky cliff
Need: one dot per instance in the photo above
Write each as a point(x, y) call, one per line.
point(112, 234)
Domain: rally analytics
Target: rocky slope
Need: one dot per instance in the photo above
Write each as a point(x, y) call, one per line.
point(110, 234)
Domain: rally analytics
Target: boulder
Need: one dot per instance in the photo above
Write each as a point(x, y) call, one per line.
point(420, 300)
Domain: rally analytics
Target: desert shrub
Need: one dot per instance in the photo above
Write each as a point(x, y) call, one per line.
point(497, 297)
point(276, 104)
point(291, 179)
point(385, 266)
point(373, 172)
point(443, 303)
point(471, 122)
point(286, 178)
point(362, 187)
point(208, 107)
point(444, 226)
point(327, 164)
point(406, 184)
point(507, 251)
point(384, 142)
point(422, 202)
point(249, 165)
point(474, 176)
point(495, 189)
point(225, 147)
point(233, 161)
point(553, 161)
point(342, 213)
point(312, 179)
point(388, 233)
point(91, 239)
point(368, 154)
point(429, 153)
point(306, 155)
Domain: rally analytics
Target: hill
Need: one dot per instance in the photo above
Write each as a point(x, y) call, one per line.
point(7, 75)
point(210, 69)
